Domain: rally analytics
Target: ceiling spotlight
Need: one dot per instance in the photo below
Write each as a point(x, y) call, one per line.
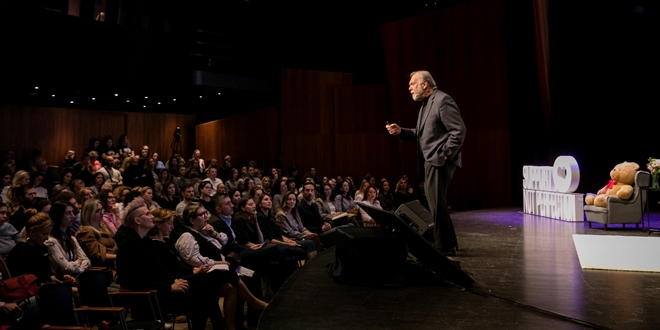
point(93, 99)
point(174, 100)
point(36, 87)
point(116, 94)
point(127, 101)
point(200, 96)
point(219, 93)
point(71, 102)
point(158, 102)
point(53, 95)
point(144, 106)
point(146, 97)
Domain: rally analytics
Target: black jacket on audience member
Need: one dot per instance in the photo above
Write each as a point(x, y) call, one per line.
point(310, 216)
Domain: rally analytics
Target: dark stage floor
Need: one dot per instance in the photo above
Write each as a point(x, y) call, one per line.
point(525, 259)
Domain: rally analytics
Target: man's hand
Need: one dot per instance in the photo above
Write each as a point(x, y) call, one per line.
point(256, 246)
point(393, 129)
point(326, 226)
point(180, 286)
point(10, 307)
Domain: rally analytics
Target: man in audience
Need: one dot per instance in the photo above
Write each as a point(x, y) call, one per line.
point(250, 175)
point(83, 169)
point(311, 217)
point(26, 196)
point(188, 198)
point(110, 174)
point(132, 173)
point(225, 170)
point(180, 179)
point(213, 179)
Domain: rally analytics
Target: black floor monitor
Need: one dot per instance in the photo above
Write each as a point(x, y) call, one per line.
point(427, 255)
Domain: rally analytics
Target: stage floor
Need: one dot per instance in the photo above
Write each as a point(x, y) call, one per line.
point(524, 265)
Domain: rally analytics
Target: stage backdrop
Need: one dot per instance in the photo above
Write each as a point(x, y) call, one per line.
point(463, 48)
point(56, 130)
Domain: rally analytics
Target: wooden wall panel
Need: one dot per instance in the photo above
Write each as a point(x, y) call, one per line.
point(251, 136)
point(56, 130)
point(308, 106)
point(463, 48)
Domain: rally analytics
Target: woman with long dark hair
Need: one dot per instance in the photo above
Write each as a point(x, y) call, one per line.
point(291, 224)
point(385, 196)
point(168, 199)
point(302, 249)
point(66, 255)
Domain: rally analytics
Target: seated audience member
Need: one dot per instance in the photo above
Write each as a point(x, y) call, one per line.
point(302, 250)
point(291, 224)
point(180, 180)
point(204, 190)
point(188, 194)
point(25, 196)
point(385, 196)
point(77, 186)
point(172, 166)
point(95, 162)
point(68, 196)
point(311, 216)
point(97, 183)
point(93, 145)
point(232, 181)
point(265, 184)
point(120, 193)
point(5, 184)
point(148, 197)
point(256, 193)
point(107, 147)
point(110, 215)
point(8, 234)
point(149, 175)
point(69, 160)
point(328, 208)
point(402, 193)
point(41, 205)
point(236, 197)
point(163, 180)
point(94, 237)
point(222, 189)
point(30, 255)
point(274, 174)
point(168, 199)
point(359, 195)
point(83, 170)
point(167, 255)
point(291, 185)
point(124, 147)
point(213, 179)
point(212, 164)
point(370, 200)
point(159, 165)
point(20, 178)
point(132, 174)
point(145, 154)
point(225, 169)
point(345, 202)
point(248, 186)
point(111, 175)
point(245, 225)
point(36, 179)
point(282, 189)
point(84, 195)
point(66, 255)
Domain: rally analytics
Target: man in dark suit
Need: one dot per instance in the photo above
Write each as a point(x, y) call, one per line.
point(440, 133)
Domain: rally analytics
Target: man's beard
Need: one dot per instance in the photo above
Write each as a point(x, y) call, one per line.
point(419, 97)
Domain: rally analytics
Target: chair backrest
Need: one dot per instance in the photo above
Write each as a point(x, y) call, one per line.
point(642, 179)
point(56, 304)
point(4, 270)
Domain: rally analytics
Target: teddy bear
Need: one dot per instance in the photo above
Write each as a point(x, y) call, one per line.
point(623, 176)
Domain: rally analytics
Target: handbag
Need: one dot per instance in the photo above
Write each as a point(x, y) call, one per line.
point(18, 288)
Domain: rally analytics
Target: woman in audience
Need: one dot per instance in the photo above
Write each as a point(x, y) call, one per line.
point(65, 182)
point(168, 199)
point(282, 189)
point(93, 145)
point(66, 255)
point(371, 200)
point(231, 183)
point(274, 174)
point(147, 194)
point(385, 196)
point(120, 193)
point(84, 195)
point(30, 255)
point(265, 184)
point(402, 194)
point(256, 194)
point(42, 205)
point(149, 174)
point(327, 204)
point(291, 224)
point(20, 178)
point(94, 161)
point(95, 238)
point(161, 183)
point(205, 189)
point(107, 147)
point(246, 226)
point(110, 217)
point(77, 186)
point(6, 182)
point(302, 249)
point(145, 153)
point(8, 234)
point(9, 166)
point(97, 182)
point(248, 186)
point(359, 195)
point(235, 196)
point(36, 180)
point(344, 200)
point(291, 185)
point(197, 155)
point(124, 147)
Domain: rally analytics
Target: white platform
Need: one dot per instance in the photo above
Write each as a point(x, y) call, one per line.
point(629, 253)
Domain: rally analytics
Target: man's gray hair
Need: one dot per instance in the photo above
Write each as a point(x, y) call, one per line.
point(425, 75)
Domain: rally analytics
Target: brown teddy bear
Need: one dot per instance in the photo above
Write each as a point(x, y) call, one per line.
point(623, 176)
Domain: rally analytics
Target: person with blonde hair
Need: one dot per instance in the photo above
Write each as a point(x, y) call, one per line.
point(20, 178)
point(96, 240)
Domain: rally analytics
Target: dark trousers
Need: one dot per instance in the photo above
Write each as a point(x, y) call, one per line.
point(436, 182)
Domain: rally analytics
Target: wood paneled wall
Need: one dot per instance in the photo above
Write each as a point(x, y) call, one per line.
point(56, 130)
point(463, 48)
point(250, 136)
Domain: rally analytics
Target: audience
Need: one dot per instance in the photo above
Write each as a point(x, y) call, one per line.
point(66, 255)
point(94, 237)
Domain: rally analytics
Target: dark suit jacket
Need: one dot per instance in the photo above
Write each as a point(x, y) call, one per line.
point(440, 133)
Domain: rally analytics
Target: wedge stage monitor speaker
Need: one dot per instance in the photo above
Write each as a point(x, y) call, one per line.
point(428, 256)
point(417, 217)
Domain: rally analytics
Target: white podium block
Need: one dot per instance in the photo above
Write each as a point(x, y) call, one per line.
point(628, 253)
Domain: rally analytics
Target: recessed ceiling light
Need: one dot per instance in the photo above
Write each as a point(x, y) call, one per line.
point(158, 102)
point(93, 99)
point(144, 106)
point(146, 97)
point(116, 94)
point(53, 95)
point(36, 87)
point(71, 102)
point(128, 101)
point(174, 100)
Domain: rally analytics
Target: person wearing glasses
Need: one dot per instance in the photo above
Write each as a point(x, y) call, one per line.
point(200, 244)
